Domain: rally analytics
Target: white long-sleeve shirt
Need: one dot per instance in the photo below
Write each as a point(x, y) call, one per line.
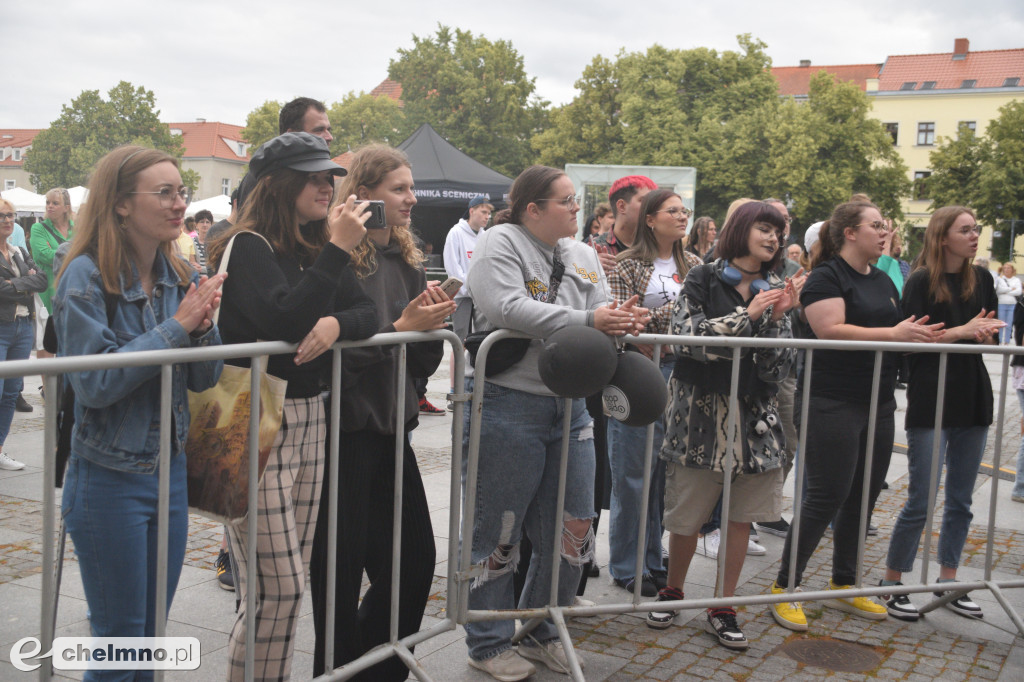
point(1008, 289)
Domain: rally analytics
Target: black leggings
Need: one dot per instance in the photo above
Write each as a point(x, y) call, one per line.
point(365, 524)
point(836, 447)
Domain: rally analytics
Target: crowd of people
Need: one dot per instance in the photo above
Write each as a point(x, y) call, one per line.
point(305, 269)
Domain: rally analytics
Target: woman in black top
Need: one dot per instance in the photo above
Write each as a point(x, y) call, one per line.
point(846, 298)
point(948, 289)
point(295, 288)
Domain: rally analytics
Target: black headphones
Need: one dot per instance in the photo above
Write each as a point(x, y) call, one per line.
point(732, 277)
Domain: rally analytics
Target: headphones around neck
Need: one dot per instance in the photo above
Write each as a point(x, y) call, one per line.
point(733, 277)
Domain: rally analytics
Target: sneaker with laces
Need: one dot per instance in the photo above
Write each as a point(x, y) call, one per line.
point(708, 545)
point(551, 654)
point(779, 528)
point(863, 607)
point(754, 549)
point(647, 586)
point(21, 405)
point(900, 606)
point(225, 578)
point(508, 666)
point(788, 614)
point(659, 620)
point(428, 409)
point(722, 624)
point(9, 463)
point(964, 605)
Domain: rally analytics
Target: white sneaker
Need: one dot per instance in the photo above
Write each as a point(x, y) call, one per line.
point(508, 666)
point(551, 654)
point(9, 463)
point(754, 549)
point(708, 545)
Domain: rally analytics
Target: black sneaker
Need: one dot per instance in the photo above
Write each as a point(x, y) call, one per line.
point(659, 620)
point(21, 405)
point(660, 579)
point(900, 606)
point(779, 528)
point(647, 586)
point(964, 605)
point(224, 577)
point(722, 624)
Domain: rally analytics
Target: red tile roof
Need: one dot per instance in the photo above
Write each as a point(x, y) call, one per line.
point(203, 139)
point(19, 137)
point(343, 160)
point(988, 68)
point(388, 88)
point(795, 81)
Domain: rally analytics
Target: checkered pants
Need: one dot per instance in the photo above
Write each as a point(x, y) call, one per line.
point(288, 498)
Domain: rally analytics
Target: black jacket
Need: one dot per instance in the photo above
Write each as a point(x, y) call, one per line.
point(16, 289)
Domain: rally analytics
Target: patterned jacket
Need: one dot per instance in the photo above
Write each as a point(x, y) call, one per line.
point(697, 415)
point(631, 276)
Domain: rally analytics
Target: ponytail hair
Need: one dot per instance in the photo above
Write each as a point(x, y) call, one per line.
point(832, 235)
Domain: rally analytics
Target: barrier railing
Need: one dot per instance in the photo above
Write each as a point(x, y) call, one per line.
point(531, 617)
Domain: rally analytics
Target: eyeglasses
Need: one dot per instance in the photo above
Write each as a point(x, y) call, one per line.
point(788, 219)
point(878, 226)
point(767, 229)
point(167, 195)
point(6, 216)
point(965, 230)
point(677, 212)
point(568, 202)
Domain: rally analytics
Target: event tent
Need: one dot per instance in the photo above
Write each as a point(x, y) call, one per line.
point(446, 179)
point(25, 201)
point(219, 206)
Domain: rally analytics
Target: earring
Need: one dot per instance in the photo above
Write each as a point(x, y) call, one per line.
point(122, 224)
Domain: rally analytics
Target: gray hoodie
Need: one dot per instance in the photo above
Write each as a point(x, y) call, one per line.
point(509, 284)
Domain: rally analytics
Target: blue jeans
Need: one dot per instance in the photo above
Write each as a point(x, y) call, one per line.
point(517, 489)
point(961, 449)
point(1018, 485)
point(15, 344)
point(112, 519)
point(626, 457)
point(1006, 315)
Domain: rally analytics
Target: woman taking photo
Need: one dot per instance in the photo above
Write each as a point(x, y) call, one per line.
point(1008, 289)
point(44, 238)
point(530, 275)
point(652, 269)
point(296, 288)
point(737, 295)
point(122, 290)
point(702, 237)
point(20, 278)
point(389, 266)
point(846, 298)
point(947, 289)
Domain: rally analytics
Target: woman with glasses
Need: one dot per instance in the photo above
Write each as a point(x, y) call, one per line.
point(389, 267)
point(44, 238)
point(531, 276)
point(20, 278)
point(1008, 289)
point(947, 289)
point(702, 237)
point(652, 269)
point(288, 280)
point(846, 298)
point(122, 290)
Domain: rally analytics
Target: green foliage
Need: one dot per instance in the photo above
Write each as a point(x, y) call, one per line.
point(64, 154)
point(475, 92)
point(956, 169)
point(360, 119)
point(261, 123)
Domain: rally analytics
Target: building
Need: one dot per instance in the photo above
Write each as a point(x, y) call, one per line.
point(13, 145)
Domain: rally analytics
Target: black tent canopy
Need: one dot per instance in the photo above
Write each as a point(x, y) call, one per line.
point(446, 179)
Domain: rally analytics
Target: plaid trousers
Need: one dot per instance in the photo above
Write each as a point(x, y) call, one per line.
point(288, 499)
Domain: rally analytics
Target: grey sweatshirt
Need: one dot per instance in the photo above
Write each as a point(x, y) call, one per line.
point(509, 283)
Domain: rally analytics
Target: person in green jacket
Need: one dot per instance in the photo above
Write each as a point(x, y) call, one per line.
point(44, 238)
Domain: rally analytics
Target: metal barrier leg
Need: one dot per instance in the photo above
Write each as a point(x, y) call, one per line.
point(1010, 611)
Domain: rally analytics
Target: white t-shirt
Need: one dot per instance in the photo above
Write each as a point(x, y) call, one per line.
point(665, 284)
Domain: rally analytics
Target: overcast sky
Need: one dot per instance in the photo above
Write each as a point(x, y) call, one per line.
point(219, 60)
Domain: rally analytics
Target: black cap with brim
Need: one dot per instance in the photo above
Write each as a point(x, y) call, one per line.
point(299, 151)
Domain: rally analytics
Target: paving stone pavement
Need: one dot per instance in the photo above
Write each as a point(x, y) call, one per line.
point(942, 645)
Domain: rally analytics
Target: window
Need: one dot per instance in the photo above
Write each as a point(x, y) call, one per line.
point(921, 184)
point(928, 85)
point(1011, 82)
point(3, 153)
point(894, 130)
point(926, 133)
point(241, 148)
point(971, 125)
point(909, 85)
point(969, 83)
point(17, 154)
point(225, 186)
point(8, 184)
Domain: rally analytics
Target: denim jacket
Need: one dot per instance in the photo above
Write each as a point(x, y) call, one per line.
point(117, 411)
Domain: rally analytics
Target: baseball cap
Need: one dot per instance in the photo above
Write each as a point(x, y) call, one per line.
point(298, 151)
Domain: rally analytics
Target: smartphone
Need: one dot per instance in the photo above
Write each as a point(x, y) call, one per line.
point(451, 286)
point(376, 221)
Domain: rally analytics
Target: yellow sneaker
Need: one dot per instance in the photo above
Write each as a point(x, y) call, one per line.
point(863, 607)
point(788, 614)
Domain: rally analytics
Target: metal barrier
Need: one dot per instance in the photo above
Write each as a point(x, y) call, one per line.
point(531, 617)
point(51, 371)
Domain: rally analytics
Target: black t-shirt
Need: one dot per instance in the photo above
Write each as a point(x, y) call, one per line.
point(968, 399)
point(871, 301)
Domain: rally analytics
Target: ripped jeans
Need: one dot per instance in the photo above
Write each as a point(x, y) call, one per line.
point(517, 487)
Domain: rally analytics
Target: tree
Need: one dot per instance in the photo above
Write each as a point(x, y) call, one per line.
point(956, 169)
point(261, 123)
point(474, 92)
point(360, 119)
point(64, 154)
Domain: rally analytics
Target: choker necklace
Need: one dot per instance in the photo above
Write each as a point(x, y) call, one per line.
point(745, 272)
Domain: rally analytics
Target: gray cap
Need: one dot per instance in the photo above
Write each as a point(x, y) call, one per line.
point(298, 151)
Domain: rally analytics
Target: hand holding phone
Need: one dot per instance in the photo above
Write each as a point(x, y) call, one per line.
point(377, 219)
point(451, 286)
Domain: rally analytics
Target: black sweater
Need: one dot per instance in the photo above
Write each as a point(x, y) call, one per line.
point(270, 296)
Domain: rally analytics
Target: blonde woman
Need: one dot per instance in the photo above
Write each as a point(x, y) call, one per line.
point(44, 238)
point(1008, 290)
